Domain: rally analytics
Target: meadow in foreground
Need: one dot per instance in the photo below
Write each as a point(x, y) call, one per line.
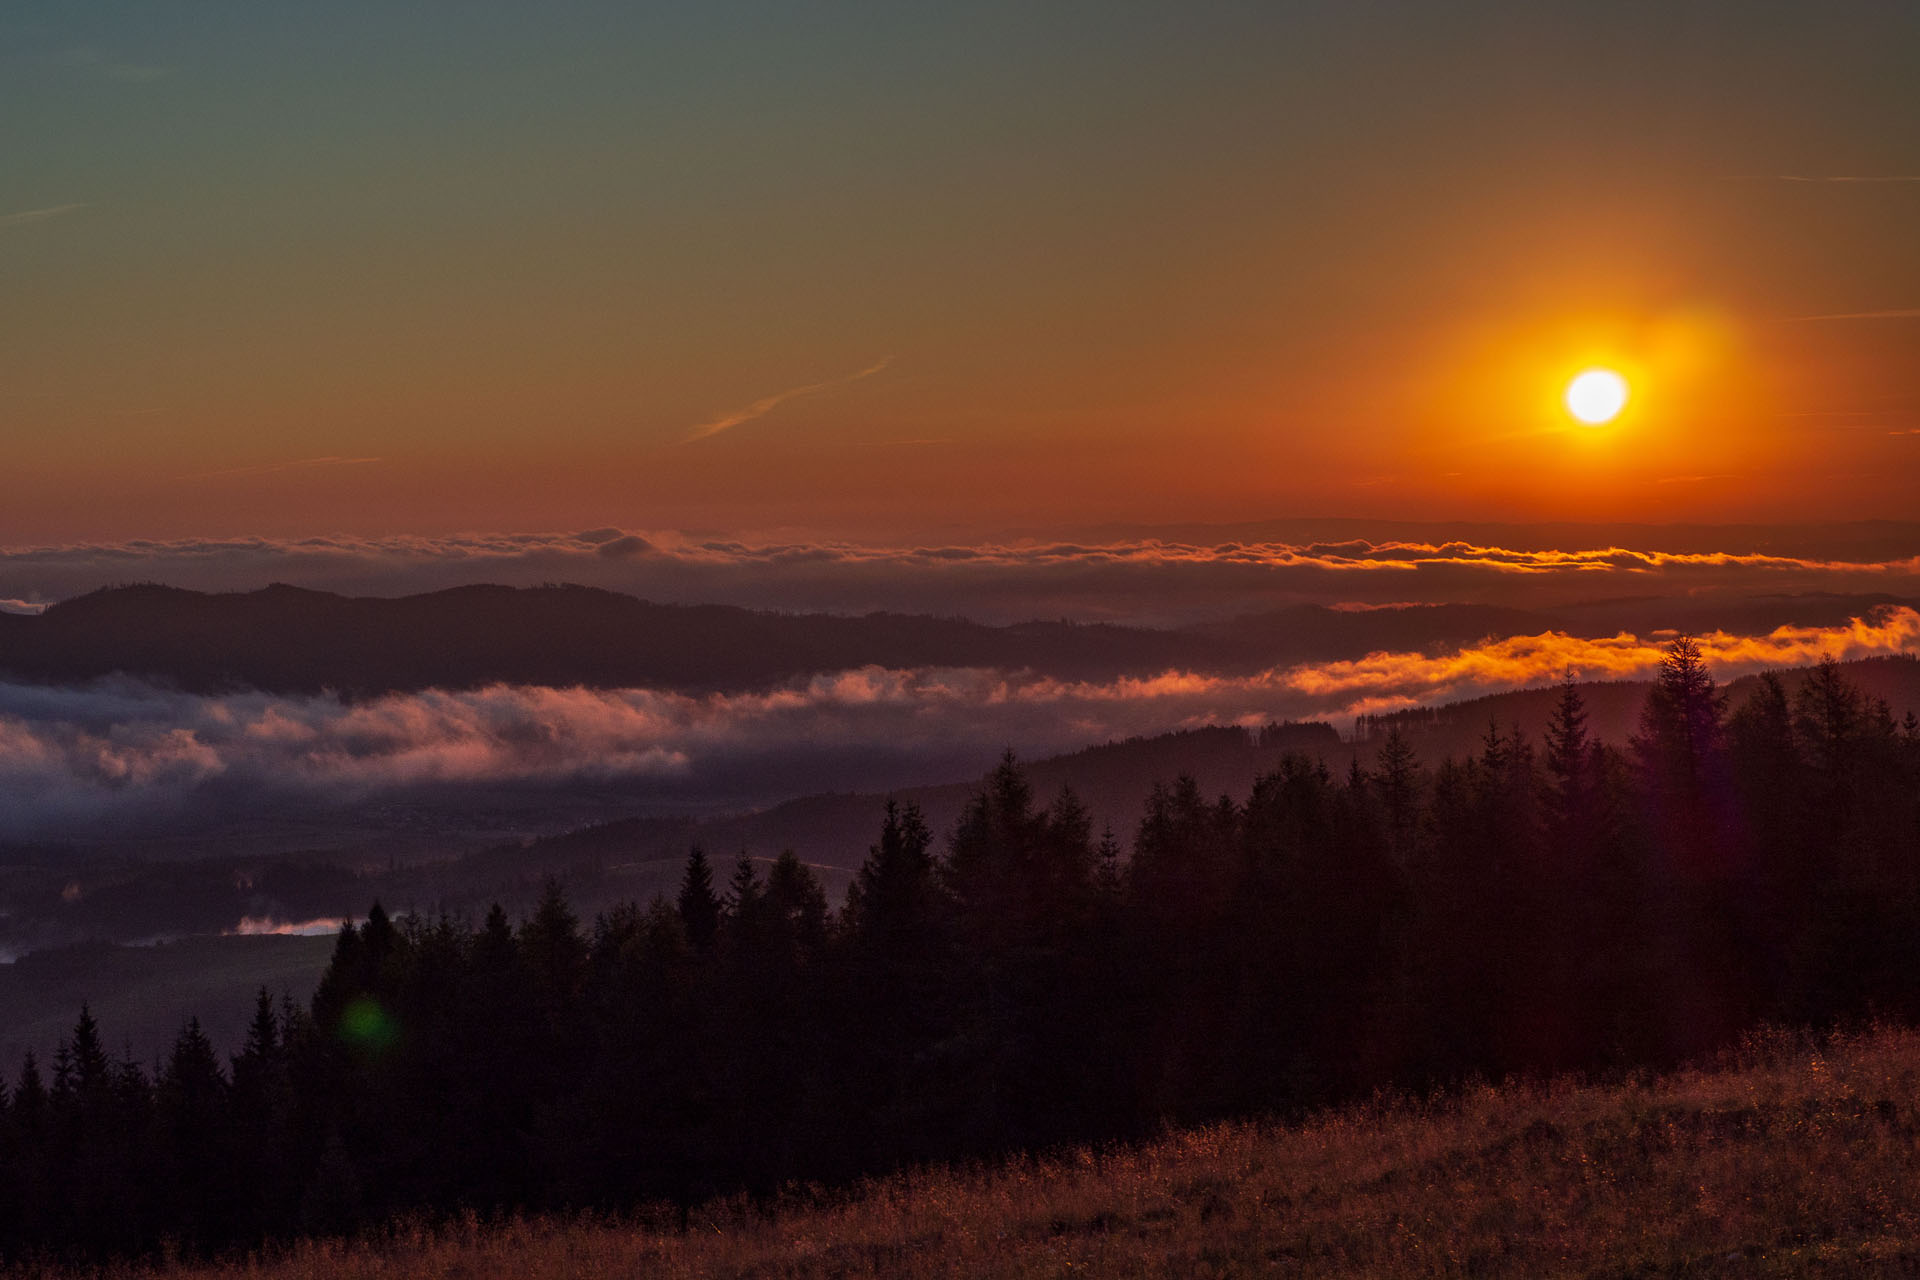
point(1788, 1158)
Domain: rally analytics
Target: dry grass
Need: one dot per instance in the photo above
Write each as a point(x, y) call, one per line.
point(1793, 1159)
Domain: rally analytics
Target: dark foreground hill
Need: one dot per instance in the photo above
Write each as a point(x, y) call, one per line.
point(1790, 1159)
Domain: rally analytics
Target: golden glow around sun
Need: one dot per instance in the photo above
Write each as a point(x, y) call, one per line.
point(1597, 396)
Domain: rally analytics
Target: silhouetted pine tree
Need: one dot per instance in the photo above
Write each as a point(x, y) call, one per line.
point(699, 906)
point(200, 1202)
point(553, 956)
point(261, 1125)
point(1397, 774)
point(741, 905)
point(1569, 761)
point(898, 969)
point(1679, 744)
point(1180, 892)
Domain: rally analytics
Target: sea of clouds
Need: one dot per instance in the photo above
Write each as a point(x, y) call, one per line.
point(1153, 580)
point(118, 753)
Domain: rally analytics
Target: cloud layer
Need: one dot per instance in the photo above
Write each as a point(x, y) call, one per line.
point(1147, 579)
point(75, 762)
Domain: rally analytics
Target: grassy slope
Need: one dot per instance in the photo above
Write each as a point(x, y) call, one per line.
point(1792, 1160)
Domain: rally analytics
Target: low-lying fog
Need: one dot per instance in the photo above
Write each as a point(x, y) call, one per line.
point(120, 756)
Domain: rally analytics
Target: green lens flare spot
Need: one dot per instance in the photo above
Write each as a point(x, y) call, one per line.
point(366, 1024)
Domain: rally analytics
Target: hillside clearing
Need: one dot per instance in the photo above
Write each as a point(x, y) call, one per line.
point(1792, 1158)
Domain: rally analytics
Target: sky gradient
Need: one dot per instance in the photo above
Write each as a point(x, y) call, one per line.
point(275, 270)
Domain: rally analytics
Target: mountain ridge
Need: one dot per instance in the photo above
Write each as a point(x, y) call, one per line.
point(286, 639)
point(295, 640)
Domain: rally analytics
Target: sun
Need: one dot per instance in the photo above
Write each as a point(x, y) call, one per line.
point(1597, 396)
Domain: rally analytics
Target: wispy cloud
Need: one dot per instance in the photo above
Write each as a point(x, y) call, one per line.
point(274, 467)
point(1898, 313)
point(259, 926)
point(767, 404)
point(26, 216)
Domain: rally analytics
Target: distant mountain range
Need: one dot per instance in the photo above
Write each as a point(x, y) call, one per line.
point(288, 640)
point(285, 639)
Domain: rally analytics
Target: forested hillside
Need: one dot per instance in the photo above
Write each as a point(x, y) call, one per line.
point(1409, 923)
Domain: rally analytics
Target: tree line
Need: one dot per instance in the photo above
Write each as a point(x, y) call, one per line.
point(1542, 906)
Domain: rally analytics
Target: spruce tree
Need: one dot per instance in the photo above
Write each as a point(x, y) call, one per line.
point(894, 889)
point(88, 1072)
point(698, 905)
point(1396, 773)
point(1829, 714)
point(1569, 748)
point(262, 1046)
point(796, 905)
point(743, 893)
point(494, 948)
point(552, 952)
point(1680, 724)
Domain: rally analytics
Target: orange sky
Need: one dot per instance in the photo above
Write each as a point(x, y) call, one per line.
point(363, 273)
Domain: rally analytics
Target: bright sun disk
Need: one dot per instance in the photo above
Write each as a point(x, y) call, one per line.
point(1597, 396)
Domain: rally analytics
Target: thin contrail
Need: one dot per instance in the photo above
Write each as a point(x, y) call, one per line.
point(767, 404)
